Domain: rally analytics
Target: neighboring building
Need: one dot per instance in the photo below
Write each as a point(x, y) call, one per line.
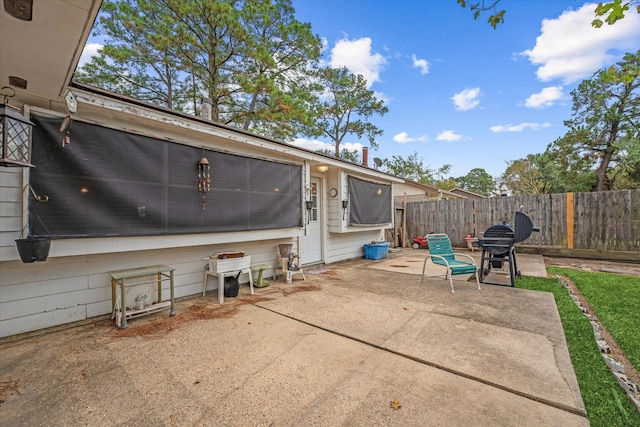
point(125, 192)
point(467, 194)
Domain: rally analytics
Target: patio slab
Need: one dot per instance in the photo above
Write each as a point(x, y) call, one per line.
point(335, 349)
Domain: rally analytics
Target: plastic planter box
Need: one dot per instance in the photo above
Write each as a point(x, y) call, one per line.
point(229, 264)
point(376, 250)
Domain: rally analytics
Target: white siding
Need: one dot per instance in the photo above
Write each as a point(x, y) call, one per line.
point(67, 289)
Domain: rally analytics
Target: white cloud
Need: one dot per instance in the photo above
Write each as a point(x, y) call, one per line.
point(403, 138)
point(545, 98)
point(90, 49)
point(356, 55)
point(315, 145)
point(467, 99)
point(570, 49)
point(520, 127)
point(448, 135)
point(421, 64)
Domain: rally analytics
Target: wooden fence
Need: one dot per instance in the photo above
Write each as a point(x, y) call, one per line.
point(602, 225)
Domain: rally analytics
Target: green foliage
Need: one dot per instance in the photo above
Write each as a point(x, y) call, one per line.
point(612, 12)
point(343, 108)
point(414, 169)
point(496, 18)
point(601, 149)
point(250, 58)
point(605, 401)
point(477, 181)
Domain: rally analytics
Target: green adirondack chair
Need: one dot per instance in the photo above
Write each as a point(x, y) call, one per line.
point(441, 253)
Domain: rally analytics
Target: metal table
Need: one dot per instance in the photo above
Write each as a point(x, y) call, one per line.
point(138, 276)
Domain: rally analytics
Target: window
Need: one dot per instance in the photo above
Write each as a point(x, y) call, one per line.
point(369, 202)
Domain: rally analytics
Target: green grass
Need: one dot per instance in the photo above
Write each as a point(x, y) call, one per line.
point(605, 401)
point(615, 299)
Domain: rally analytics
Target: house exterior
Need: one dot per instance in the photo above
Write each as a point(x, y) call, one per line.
point(125, 192)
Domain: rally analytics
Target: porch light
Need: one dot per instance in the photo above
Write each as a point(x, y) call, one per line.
point(323, 168)
point(345, 203)
point(15, 133)
point(309, 206)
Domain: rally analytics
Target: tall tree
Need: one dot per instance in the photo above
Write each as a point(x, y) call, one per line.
point(605, 124)
point(137, 60)
point(413, 168)
point(524, 176)
point(249, 57)
point(478, 181)
point(279, 51)
point(344, 108)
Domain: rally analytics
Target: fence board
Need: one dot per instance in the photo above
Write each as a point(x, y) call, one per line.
point(603, 221)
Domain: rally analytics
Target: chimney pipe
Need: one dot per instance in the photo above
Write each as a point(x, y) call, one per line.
point(365, 157)
point(206, 108)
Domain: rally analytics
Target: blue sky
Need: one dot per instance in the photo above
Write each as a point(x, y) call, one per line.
point(458, 91)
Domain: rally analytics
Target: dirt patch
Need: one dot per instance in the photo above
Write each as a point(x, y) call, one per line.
point(628, 268)
point(8, 388)
point(198, 311)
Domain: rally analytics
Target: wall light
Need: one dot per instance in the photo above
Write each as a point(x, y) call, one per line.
point(309, 206)
point(15, 133)
point(323, 168)
point(345, 203)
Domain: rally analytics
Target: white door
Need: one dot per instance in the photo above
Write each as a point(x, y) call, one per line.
point(311, 244)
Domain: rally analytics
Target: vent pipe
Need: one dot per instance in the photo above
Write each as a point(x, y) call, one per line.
point(206, 108)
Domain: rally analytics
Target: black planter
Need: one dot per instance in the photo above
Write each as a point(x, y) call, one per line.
point(34, 248)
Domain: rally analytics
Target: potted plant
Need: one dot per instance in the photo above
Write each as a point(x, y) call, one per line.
point(32, 248)
point(139, 300)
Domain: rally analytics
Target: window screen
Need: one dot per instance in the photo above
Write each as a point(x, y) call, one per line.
point(113, 183)
point(369, 202)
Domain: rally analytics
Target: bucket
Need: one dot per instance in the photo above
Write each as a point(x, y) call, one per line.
point(285, 249)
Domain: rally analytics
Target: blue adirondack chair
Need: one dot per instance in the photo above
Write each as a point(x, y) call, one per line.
point(441, 253)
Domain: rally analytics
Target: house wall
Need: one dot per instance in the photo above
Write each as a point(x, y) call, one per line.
point(73, 284)
point(68, 289)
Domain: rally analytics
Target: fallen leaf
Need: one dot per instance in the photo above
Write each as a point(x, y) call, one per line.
point(395, 404)
point(196, 382)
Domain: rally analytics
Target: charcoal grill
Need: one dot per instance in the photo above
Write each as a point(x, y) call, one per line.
point(498, 246)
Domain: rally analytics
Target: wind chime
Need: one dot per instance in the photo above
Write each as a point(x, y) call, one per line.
point(204, 179)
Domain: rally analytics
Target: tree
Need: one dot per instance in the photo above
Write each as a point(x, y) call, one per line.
point(343, 108)
point(137, 59)
point(249, 57)
point(413, 169)
point(524, 176)
point(477, 181)
point(604, 130)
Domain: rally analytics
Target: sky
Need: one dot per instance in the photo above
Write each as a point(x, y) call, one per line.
point(458, 91)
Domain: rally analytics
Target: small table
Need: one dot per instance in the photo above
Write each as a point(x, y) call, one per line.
point(139, 276)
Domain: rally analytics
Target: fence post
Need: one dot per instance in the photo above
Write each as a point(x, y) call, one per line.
point(570, 211)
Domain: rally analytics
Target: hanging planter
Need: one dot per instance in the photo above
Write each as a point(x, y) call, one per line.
point(32, 248)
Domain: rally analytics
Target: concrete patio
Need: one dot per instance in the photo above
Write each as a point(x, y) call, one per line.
point(359, 343)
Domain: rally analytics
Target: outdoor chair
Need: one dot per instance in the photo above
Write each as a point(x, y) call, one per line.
point(441, 253)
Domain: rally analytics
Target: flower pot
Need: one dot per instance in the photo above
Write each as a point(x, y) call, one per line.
point(33, 248)
point(139, 305)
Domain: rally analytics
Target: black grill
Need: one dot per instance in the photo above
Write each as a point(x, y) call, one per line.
point(498, 247)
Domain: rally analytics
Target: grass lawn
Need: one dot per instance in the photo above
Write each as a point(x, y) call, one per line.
point(606, 403)
point(615, 299)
